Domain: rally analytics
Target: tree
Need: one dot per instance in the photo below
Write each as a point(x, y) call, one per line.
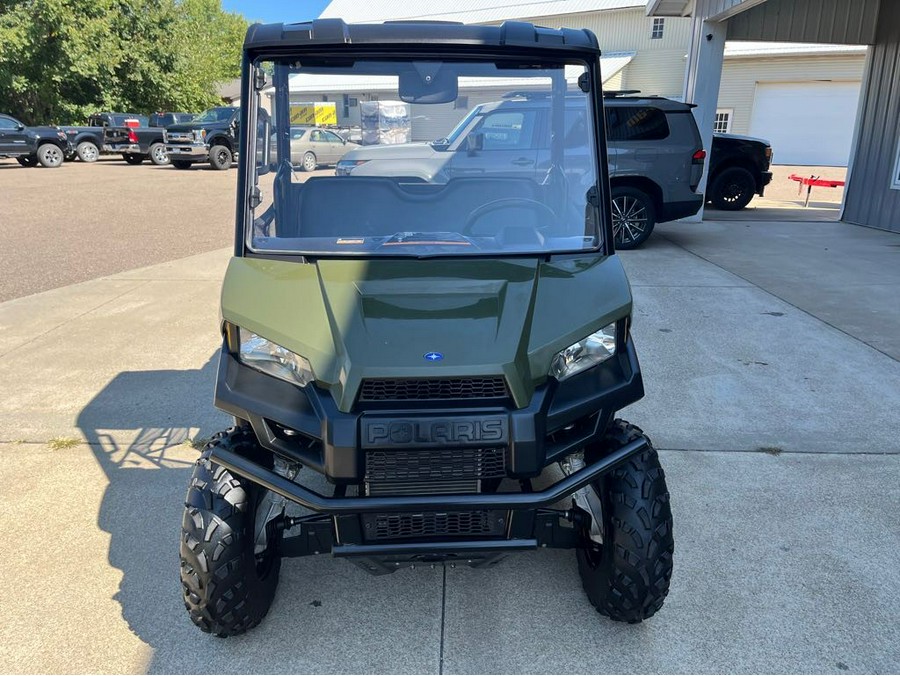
point(61, 60)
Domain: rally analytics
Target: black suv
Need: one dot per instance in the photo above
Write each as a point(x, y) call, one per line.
point(32, 145)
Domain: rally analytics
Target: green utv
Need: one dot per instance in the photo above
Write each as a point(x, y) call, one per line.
point(425, 372)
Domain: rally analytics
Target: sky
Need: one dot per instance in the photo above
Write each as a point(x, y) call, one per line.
point(275, 11)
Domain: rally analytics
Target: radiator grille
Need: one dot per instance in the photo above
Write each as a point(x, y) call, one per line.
point(434, 524)
point(435, 464)
point(430, 389)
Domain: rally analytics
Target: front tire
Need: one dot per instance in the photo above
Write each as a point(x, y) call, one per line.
point(220, 158)
point(158, 155)
point(627, 577)
point(634, 217)
point(50, 155)
point(227, 588)
point(133, 158)
point(733, 189)
point(309, 162)
point(87, 152)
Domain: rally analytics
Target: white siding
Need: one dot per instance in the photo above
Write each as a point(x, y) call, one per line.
point(740, 75)
point(658, 66)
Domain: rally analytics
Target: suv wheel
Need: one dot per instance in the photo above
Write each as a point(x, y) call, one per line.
point(28, 160)
point(227, 586)
point(633, 217)
point(733, 189)
point(626, 576)
point(50, 155)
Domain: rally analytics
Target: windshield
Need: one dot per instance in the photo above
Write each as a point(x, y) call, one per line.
point(435, 158)
point(215, 115)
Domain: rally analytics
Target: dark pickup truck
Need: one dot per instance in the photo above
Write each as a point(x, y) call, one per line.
point(212, 136)
point(32, 145)
point(738, 170)
point(89, 141)
point(146, 140)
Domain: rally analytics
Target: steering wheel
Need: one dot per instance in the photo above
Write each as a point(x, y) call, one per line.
point(505, 203)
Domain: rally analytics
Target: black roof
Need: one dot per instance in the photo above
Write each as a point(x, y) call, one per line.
point(334, 32)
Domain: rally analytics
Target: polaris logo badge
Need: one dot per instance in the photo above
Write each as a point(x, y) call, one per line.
point(437, 432)
point(433, 356)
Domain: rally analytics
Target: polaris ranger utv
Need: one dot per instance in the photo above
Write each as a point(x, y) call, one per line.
point(429, 369)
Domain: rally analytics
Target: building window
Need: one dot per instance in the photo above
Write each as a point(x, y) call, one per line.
point(895, 178)
point(722, 125)
point(656, 32)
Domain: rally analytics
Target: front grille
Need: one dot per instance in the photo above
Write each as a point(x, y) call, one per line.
point(180, 137)
point(430, 389)
point(433, 524)
point(438, 464)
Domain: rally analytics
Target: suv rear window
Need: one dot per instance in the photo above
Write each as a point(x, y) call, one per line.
point(635, 123)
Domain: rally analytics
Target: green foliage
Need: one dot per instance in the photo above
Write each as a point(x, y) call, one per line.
point(61, 60)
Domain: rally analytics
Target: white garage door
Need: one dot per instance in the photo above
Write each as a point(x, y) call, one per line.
point(806, 122)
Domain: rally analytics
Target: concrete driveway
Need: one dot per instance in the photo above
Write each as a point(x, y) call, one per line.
point(770, 361)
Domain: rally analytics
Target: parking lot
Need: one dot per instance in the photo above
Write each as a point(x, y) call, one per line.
point(770, 354)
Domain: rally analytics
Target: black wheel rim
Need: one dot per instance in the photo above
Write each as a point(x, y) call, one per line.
point(735, 190)
point(630, 219)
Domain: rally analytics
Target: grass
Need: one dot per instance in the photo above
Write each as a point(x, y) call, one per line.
point(62, 443)
point(197, 442)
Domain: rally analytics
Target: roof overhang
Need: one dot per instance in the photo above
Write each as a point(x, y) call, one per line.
point(720, 10)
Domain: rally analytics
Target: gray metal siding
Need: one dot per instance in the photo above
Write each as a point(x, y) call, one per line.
point(869, 199)
point(845, 22)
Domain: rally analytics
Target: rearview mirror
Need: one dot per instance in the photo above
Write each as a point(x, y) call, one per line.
point(428, 83)
point(20, 126)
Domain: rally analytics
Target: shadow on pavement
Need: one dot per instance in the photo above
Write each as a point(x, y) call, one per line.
point(340, 618)
point(139, 427)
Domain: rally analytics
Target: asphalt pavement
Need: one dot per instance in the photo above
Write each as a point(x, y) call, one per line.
point(775, 409)
point(82, 221)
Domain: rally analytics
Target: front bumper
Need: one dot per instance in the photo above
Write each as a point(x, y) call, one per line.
point(305, 425)
point(765, 177)
point(193, 152)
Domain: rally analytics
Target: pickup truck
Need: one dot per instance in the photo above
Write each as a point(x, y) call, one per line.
point(212, 136)
point(32, 145)
point(136, 143)
point(738, 170)
point(89, 141)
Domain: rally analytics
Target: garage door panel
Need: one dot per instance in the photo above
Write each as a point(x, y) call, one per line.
point(806, 122)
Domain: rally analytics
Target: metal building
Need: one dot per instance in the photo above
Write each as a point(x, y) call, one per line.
point(872, 195)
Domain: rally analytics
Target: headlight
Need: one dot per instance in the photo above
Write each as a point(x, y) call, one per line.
point(165, 136)
point(199, 134)
point(264, 355)
point(596, 348)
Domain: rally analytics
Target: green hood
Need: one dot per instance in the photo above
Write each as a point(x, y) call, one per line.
point(356, 319)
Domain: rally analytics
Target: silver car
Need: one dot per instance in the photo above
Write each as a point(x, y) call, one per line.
point(312, 147)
